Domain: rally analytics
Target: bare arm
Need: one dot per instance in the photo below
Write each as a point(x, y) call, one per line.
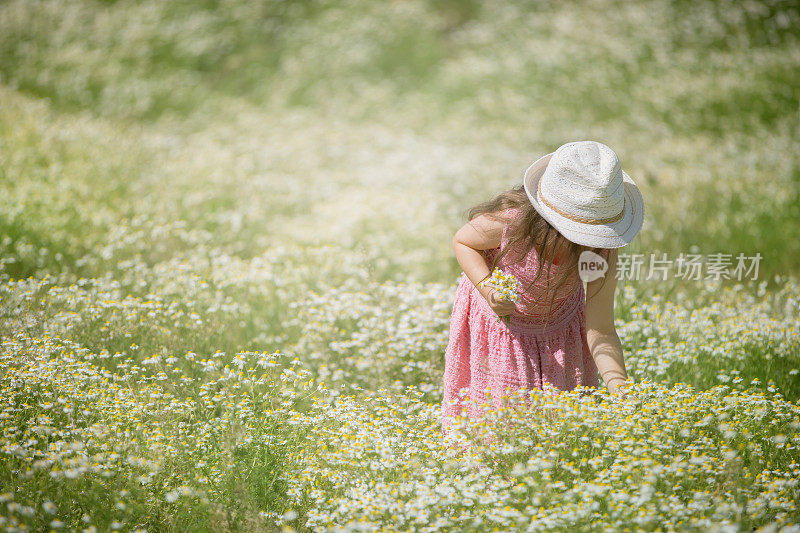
point(481, 233)
point(601, 333)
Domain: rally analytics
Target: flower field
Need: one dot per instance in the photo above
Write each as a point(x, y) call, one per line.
point(226, 271)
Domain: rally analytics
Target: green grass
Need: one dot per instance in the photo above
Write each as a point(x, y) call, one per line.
point(187, 187)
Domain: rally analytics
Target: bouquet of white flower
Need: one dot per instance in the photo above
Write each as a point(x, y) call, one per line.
point(505, 284)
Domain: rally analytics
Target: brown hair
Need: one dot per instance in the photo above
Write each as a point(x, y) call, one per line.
point(531, 230)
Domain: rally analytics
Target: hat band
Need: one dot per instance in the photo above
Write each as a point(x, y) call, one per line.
point(576, 218)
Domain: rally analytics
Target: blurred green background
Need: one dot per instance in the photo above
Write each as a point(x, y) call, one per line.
point(375, 125)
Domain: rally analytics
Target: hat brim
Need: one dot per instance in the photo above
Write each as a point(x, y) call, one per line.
point(614, 235)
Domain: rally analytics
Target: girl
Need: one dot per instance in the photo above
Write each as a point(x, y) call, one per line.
point(576, 206)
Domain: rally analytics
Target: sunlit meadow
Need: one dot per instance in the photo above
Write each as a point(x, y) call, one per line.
point(226, 270)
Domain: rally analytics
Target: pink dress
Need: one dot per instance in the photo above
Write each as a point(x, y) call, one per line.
point(529, 352)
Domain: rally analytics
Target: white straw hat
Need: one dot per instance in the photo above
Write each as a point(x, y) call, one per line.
point(582, 191)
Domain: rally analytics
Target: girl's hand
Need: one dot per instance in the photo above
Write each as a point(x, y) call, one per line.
point(500, 307)
point(618, 387)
